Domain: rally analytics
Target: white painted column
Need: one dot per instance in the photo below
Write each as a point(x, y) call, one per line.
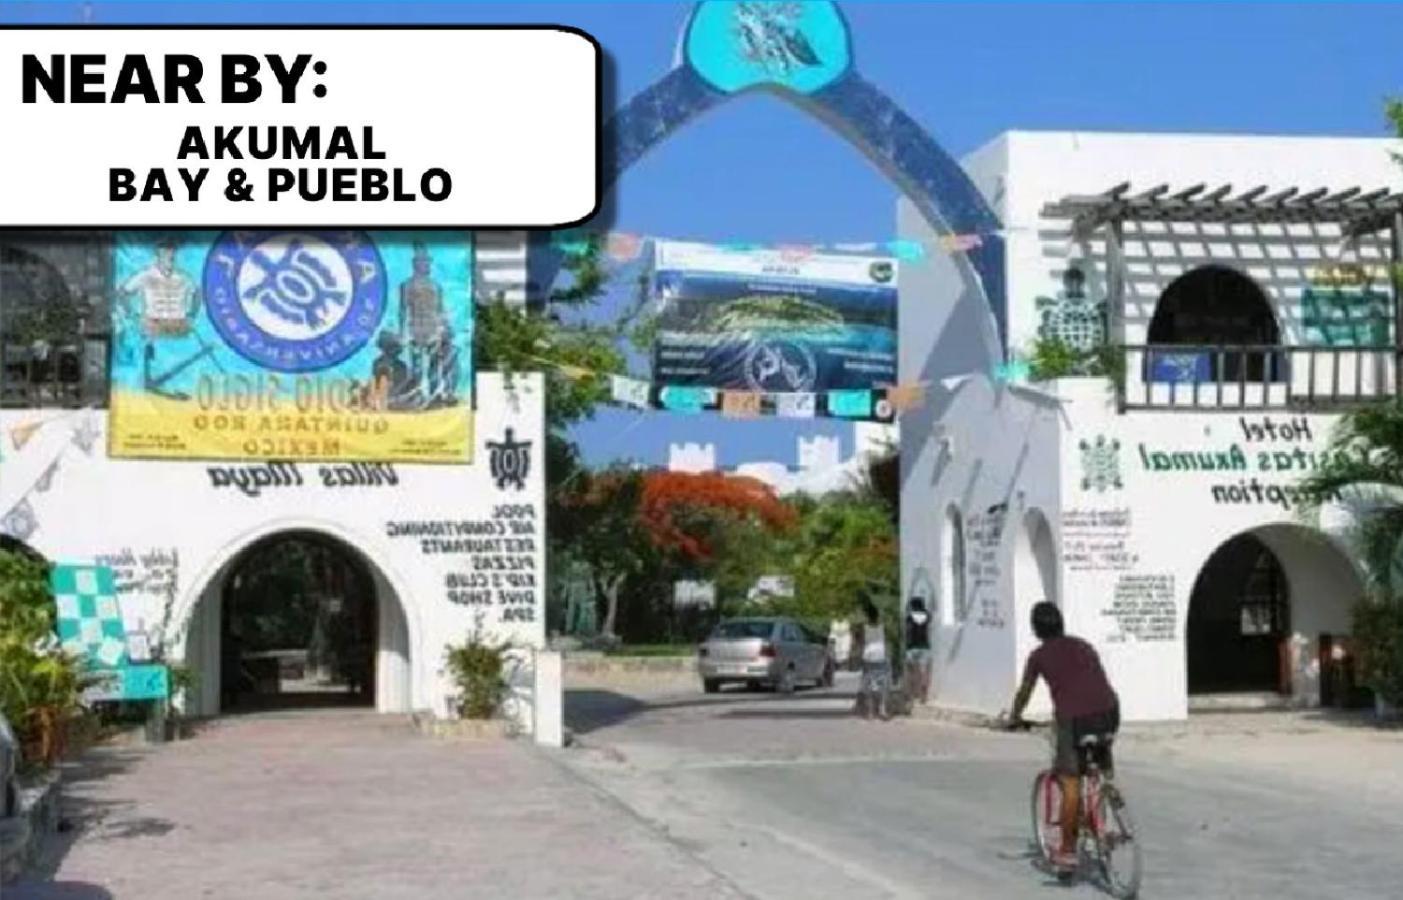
point(393, 683)
point(550, 722)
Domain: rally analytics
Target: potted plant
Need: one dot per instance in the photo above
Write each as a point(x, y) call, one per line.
point(183, 681)
point(476, 668)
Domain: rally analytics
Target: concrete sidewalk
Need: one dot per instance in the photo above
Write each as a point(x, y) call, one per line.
point(349, 805)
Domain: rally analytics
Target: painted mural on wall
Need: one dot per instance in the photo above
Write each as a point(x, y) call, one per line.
point(766, 321)
point(308, 345)
point(1347, 305)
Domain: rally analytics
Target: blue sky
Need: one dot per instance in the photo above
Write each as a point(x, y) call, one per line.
point(758, 170)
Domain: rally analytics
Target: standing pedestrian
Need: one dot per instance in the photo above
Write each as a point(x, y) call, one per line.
point(876, 666)
point(918, 657)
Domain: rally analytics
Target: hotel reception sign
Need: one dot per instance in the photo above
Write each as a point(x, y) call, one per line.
point(293, 345)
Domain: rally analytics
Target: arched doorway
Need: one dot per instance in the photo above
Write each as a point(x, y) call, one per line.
point(297, 625)
point(298, 618)
point(1263, 607)
point(1213, 306)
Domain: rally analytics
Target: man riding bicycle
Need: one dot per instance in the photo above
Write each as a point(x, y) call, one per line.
point(1084, 704)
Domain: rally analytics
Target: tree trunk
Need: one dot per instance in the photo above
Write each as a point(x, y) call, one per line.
point(610, 589)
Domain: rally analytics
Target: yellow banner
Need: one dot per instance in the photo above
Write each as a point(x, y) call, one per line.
point(156, 427)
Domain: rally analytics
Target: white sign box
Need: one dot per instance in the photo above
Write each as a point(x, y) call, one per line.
point(218, 127)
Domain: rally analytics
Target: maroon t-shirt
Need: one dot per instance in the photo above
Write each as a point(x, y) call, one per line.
point(1074, 675)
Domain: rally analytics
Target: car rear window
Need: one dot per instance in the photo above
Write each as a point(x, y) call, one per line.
point(743, 629)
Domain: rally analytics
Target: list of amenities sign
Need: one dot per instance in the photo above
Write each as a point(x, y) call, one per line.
point(232, 127)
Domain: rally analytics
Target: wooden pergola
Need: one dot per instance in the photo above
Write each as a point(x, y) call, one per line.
point(1355, 211)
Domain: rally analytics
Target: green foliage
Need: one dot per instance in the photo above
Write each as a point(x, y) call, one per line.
point(1378, 630)
point(40, 685)
point(476, 668)
point(1364, 464)
point(1054, 358)
point(845, 544)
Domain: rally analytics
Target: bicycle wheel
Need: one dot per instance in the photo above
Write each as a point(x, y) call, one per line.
point(1047, 815)
point(1117, 843)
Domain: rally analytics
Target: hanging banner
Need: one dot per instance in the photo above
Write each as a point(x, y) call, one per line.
point(771, 320)
point(1341, 308)
point(88, 619)
point(293, 345)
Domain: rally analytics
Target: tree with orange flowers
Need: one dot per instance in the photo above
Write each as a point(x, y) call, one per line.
point(686, 513)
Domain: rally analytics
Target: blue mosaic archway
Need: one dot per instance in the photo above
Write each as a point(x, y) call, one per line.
point(802, 51)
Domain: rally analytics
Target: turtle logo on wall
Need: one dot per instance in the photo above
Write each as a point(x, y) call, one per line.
point(509, 461)
point(1100, 464)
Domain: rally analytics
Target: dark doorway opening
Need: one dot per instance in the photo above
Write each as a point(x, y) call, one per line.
point(297, 626)
point(1215, 306)
point(1239, 620)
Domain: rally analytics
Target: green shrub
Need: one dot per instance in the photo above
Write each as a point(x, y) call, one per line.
point(1378, 640)
point(40, 685)
point(476, 669)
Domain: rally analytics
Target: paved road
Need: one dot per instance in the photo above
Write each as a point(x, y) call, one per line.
point(349, 805)
point(795, 798)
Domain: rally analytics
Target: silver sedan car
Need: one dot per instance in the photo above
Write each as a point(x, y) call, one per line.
point(772, 652)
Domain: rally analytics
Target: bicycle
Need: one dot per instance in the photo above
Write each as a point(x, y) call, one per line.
point(1105, 820)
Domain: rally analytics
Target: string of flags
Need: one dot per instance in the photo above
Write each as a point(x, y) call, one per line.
point(21, 520)
point(627, 246)
point(883, 403)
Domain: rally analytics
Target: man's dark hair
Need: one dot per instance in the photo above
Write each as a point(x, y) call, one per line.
point(1047, 621)
point(918, 604)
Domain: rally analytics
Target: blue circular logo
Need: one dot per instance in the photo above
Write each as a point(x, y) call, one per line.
point(295, 301)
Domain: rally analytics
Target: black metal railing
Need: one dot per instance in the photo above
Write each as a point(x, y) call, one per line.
point(1255, 376)
point(43, 375)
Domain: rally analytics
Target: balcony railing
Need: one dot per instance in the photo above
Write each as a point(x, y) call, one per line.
point(69, 374)
point(1256, 376)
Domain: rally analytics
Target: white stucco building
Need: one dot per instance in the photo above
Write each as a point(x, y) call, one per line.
point(1160, 514)
point(441, 550)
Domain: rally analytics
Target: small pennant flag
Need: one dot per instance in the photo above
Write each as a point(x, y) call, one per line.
point(740, 404)
point(23, 434)
point(85, 435)
point(903, 397)
point(869, 247)
point(850, 404)
point(1015, 371)
point(686, 399)
point(796, 252)
point(906, 250)
point(622, 246)
point(629, 391)
point(960, 243)
point(46, 480)
point(795, 406)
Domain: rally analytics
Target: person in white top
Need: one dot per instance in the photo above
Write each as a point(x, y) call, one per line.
point(876, 667)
